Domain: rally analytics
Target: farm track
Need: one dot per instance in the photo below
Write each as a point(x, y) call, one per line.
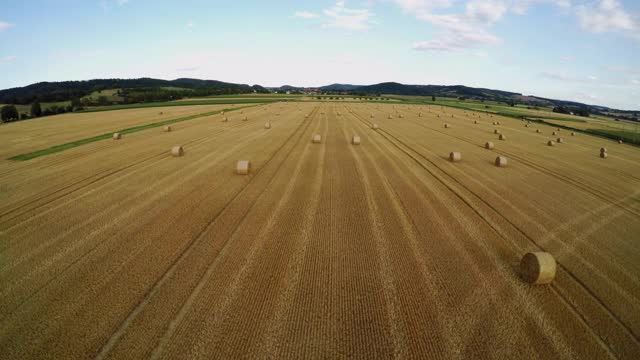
point(381, 250)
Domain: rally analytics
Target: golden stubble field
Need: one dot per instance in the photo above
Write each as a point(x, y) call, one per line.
point(115, 249)
point(25, 136)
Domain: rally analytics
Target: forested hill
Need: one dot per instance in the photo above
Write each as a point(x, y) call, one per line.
point(67, 90)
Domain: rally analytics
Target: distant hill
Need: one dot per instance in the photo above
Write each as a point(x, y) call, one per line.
point(340, 87)
point(433, 90)
point(148, 89)
point(67, 90)
point(284, 88)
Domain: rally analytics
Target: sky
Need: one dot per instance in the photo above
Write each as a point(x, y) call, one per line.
point(580, 50)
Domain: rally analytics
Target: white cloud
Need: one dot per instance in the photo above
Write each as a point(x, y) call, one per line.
point(122, 2)
point(522, 6)
point(9, 58)
point(190, 24)
point(567, 58)
point(563, 76)
point(420, 7)
point(486, 12)
point(560, 76)
point(305, 15)
point(458, 31)
point(458, 41)
point(5, 25)
point(341, 17)
point(609, 15)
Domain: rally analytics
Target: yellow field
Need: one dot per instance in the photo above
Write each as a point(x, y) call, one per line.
point(115, 249)
point(25, 136)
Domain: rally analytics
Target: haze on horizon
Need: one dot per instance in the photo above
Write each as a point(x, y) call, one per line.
point(580, 50)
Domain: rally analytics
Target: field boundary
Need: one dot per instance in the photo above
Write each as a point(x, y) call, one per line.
point(70, 145)
point(607, 134)
point(176, 103)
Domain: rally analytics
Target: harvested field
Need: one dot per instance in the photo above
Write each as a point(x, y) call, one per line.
point(115, 249)
point(25, 136)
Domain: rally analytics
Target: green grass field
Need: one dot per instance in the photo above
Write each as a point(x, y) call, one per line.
point(26, 109)
point(110, 94)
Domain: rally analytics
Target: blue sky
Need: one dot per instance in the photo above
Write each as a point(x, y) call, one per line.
point(582, 50)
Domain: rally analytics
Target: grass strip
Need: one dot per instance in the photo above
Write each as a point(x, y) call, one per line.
point(62, 147)
point(177, 103)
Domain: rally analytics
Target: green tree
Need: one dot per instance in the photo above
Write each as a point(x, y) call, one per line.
point(76, 103)
point(36, 109)
point(9, 113)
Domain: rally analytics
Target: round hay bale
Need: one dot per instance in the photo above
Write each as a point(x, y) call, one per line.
point(538, 131)
point(496, 131)
point(455, 156)
point(488, 145)
point(446, 126)
point(497, 122)
point(390, 117)
point(526, 125)
point(475, 121)
point(551, 143)
point(559, 140)
point(419, 114)
point(375, 127)
point(117, 136)
point(573, 133)
point(316, 139)
point(554, 133)
point(538, 267)
point(603, 155)
point(226, 119)
point(557, 129)
point(355, 140)
point(243, 167)
point(619, 141)
point(245, 119)
point(167, 129)
point(371, 116)
point(494, 123)
point(502, 137)
point(501, 161)
point(603, 149)
point(177, 151)
point(267, 125)
point(161, 113)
